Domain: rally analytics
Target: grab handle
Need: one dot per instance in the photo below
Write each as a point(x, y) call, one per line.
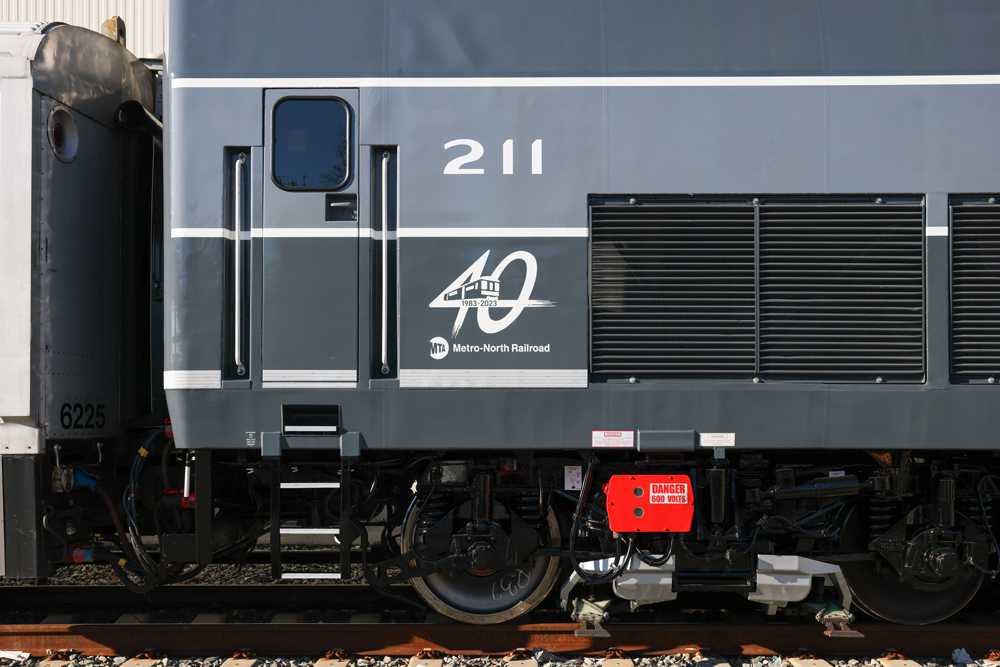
point(385, 263)
point(237, 260)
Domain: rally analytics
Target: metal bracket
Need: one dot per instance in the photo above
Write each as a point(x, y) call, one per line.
point(57, 449)
point(590, 614)
point(835, 618)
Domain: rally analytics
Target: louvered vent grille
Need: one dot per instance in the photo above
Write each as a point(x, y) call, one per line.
point(841, 290)
point(814, 289)
point(975, 290)
point(673, 289)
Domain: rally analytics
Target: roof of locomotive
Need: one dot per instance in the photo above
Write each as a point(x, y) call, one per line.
point(398, 38)
point(78, 67)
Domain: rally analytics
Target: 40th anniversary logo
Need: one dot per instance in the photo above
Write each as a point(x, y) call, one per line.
point(474, 290)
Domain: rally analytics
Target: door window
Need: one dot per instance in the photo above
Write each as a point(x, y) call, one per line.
point(311, 144)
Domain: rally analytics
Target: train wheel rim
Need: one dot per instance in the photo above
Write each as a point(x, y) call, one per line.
point(497, 598)
point(883, 595)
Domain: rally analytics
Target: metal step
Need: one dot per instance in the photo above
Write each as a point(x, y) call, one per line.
point(310, 575)
point(310, 485)
point(310, 531)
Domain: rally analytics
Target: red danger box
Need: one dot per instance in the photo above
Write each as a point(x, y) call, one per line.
point(650, 503)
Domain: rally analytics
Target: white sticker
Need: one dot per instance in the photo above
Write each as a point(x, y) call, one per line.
point(612, 439)
point(718, 439)
point(573, 478)
point(668, 494)
point(836, 473)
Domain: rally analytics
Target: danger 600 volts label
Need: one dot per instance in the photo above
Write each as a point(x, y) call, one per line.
point(612, 439)
point(668, 494)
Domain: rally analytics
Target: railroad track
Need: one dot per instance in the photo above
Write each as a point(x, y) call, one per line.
point(403, 639)
point(360, 622)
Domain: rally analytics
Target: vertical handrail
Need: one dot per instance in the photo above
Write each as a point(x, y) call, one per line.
point(385, 263)
point(237, 260)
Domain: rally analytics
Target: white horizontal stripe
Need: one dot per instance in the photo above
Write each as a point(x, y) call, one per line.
point(541, 378)
point(290, 430)
point(310, 575)
point(192, 379)
point(411, 232)
point(272, 375)
point(589, 81)
point(206, 233)
point(310, 531)
point(310, 485)
point(310, 385)
point(938, 231)
point(306, 232)
point(319, 232)
point(491, 232)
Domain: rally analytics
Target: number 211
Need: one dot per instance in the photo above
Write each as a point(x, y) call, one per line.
point(476, 151)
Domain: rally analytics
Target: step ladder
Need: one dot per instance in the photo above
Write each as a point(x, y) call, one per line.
point(279, 489)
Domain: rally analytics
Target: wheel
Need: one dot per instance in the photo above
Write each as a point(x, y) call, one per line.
point(486, 598)
point(914, 601)
point(882, 594)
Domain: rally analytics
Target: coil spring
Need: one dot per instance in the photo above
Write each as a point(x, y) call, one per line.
point(969, 506)
point(525, 505)
point(882, 515)
point(432, 508)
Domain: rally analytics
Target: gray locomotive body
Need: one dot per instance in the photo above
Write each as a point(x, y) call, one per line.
point(705, 291)
point(822, 157)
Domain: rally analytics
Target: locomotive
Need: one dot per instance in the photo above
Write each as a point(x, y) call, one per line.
point(588, 300)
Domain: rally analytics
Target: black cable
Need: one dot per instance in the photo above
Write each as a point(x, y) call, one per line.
point(989, 528)
point(615, 571)
point(658, 562)
point(416, 517)
point(724, 554)
point(369, 578)
point(794, 525)
point(48, 528)
point(142, 588)
point(151, 567)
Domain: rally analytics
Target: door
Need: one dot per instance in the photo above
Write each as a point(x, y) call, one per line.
point(310, 236)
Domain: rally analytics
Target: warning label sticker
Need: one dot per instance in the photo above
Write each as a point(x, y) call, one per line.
point(612, 439)
point(668, 494)
point(718, 439)
point(573, 478)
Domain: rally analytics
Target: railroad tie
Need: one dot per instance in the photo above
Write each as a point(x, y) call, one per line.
point(898, 663)
point(212, 617)
point(59, 658)
point(808, 662)
point(135, 617)
point(141, 662)
point(338, 657)
point(520, 657)
point(427, 657)
point(706, 658)
point(241, 659)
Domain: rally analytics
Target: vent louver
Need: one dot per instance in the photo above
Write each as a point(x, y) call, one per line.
point(673, 289)
point(821, 289)
point(842, 290)
point(975, 290)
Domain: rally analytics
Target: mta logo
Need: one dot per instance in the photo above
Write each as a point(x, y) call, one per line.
point(439, 348)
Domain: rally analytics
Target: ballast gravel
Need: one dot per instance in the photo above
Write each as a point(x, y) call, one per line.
point(678, 660)
point(216, 574)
